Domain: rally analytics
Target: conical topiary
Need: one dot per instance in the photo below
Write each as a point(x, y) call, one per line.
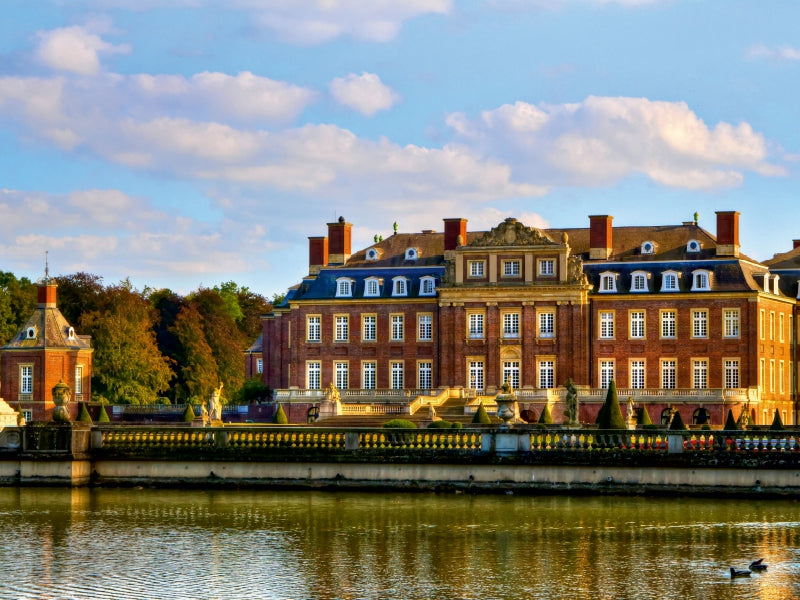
point(677, 422)
point(280, 417)
point(546, 418)
point(777, 423)
point(481, 417)
point(730, 422)
point(644, 417)
point(83, 414)
point(102, 416)
point(611, 417)
point(188, 414)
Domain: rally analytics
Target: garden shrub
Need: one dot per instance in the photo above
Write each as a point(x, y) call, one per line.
point(280, 417)
point(730, 422)
point(677, 423)
point(481, 416)
point(188, 414)
point(399, 424)
point(83, 414)
point(777, 423)
point(611, 415)
point(102, 416)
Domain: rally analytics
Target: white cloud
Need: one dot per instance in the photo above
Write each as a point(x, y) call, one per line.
point(602, 140)
point(365, 93)
point(781, 53)
point(75, 50)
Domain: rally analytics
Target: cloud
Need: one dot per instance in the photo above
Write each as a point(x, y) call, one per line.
point(365, 93)
point(780, 54)
point(75, 50)
point(601, 140)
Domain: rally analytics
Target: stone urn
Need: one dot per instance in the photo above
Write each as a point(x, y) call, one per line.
point(61, 398)
point(506, 401)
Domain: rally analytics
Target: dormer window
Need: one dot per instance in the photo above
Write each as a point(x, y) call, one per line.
point(71, 333)
point(372, 254)
point(399, 286)
point(648, 247)
point(693, 246)
point(344, 287)
point(608, 282)
point(372, 286)
point(427, 286)
point(775, 289)
point(669, 281)
point(639, 281)
point(30, 333)
point(701, 280)
point(412, 254)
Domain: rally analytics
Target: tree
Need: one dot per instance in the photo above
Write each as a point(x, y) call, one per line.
point(280, 417)
point(102, 416)
point(188, 414)
point(83, 414)
point(17, 303)
point(777, 423)
point(79, 293)
point(644, 417)
point(611, 414)
point(196, 368)
point(481, 417)
point(253, 306)
point(546, 418)
point(253, 390)
point(677, 422)
point(730, 422)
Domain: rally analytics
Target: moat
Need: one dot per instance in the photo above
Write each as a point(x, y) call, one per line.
point(141, 543)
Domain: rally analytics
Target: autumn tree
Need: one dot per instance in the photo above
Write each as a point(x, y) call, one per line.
point(196, 367)
point(79, 293)
point(17, 303)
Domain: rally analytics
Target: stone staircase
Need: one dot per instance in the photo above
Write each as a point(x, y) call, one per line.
point(451, 410)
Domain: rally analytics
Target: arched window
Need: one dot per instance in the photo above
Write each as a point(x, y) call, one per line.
point(669, 281)
point(701, 416)
point(608, 282)
point(639, 281)
point(648, 247)
point(411, 254)
point(693, 246)
point(372, 254)
point(399, 286)
point(701, 280)
point(372, 287)
point(666, 415)
point(344, 287)
point(427, 286)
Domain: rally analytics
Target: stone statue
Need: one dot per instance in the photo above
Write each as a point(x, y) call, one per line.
point(506, 388)
point(631, 414)
point(572, 403)
point(332, 393)
point(61, 398)
point(215, 404)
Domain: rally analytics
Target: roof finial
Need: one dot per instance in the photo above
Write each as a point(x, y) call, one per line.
point(46, 266)
point(696, 217)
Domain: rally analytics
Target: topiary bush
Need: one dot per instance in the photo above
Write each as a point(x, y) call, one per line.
point(611, 415)
point(643, 418)
point(400, 424)
point(777, 423)
point(481, 416)
point(102, 416)
point(440, 424)
point(677, 422)
point(280, 417)
point(457, 425)
point(546, 418)
point(188, 414)
point(730, 422)
point(83, 414)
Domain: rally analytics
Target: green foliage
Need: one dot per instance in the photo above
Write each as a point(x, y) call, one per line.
point(546, 418)
point(280, 417)
point(643, 418)
point(79, 293)
point(611, 414)
point(188, 414)
point(457, 425)
point(17, 303)
point(102, 416)
point(229, 292)
point(83, 414)
point(777, 423)
point(444, 425)
point(481, 417)
point(677, 422)
point(251, 391)
point(730, 422)
point(399, 424)
point(196, 366)
point(650, 427)
point(705, 428)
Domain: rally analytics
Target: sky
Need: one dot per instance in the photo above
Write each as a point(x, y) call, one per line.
point(180, 144)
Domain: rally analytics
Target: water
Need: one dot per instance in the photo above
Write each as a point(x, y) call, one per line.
point(77, 544)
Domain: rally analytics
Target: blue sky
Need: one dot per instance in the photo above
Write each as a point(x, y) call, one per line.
point(182, 144)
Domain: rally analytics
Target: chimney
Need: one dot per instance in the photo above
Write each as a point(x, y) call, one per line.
point(453, 229)
point(795, 244)
point(339, 242)
point(46, 296)
point(727, 233)
point(600, 237)
point(317, 254)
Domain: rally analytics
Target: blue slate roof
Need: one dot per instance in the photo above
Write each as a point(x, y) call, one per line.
point(324, 285)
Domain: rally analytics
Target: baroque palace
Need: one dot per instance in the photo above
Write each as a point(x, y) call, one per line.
point(678, 317)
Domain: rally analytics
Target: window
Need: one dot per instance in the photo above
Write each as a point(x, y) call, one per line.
point(547, 267)
point(372, 254)
point(511, 373)
point(511, 325)
point(475, 325)
point(368, 375)
point(608, 282)
point(475, 374)
point(700, 323)
point(639, 282)
point(341, 373)
point(668, 321)
point(411, 254)
point(476, 268)
point(699, 373)
point(511, 268)
point(668, 373)
point(369, 328)
point(344, 287)
point(341, 329)
point(425, 375)
point(26, 379)
point(772, 325)
point(731, 366)
point(669, 281)
point(400, 287)
point(701, 280)
point(547, 374)
point(781, 374)
point(730, 322)
point(761, 368)
point(606, 373)
point(71, 333)
point(637, 374)
point(259, 365)
point(547, 324)
point(772, 376)
point(781, 324)
point(607, 325)
point(28, 415)
point(693, 246)
point(761, 331)
point(313, 375)
point(648, 247)
point(427, 286)
point(425, 327)
point(372, 287)
point(396, 368)
point(637, 324)
point(313, 329)
point(397, 328)
point(79, 379)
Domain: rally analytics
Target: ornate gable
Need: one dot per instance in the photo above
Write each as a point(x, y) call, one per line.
point(512, 233)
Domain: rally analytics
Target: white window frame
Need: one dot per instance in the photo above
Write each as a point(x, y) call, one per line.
point(425, 327)
point(608, 283)
point(412, 254)
point(547, 373)
point(693, 246)
point(639, 283)
point(259, 365)
point(731, 323)
point(605, 326)
point(369, 328)
point(369, 374)
point(637, 374)
point(26, 379)
point(511, 372)
point(699, 323)
point(669, 324)
point(372, 287)
point(606, 372)
point(669, 373)
point(476, 268)
point(313, 328)
point(547, 267)
point(512, 267)
point(425, 374)
point(637, 326)
point(731, 373)
point(546, 324)
point(341, 373)
point(511, 321)
point(313, 375)
point(699, 373)
point(475, 325)
point(397, 327)
point(79, 379)
point(701, 280)
point(399, 286)
point(475, 374)
point(344, 287)
point(669, 281)
point(427, 286)
point(396, 368)
point(341, 328)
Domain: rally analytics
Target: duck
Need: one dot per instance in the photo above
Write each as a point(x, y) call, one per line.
point(736, 573)
point(758, 565)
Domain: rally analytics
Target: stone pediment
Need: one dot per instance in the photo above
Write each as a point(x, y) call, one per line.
point(512, 233)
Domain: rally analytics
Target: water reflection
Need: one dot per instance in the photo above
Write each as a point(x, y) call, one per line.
point(82, 543)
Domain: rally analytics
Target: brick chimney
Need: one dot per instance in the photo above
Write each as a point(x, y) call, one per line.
point(339, 241)
point(795, 244)
point(600, 237)
point(453, 228)
point(317, 254)
point(46, 296)
point(727, 233)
